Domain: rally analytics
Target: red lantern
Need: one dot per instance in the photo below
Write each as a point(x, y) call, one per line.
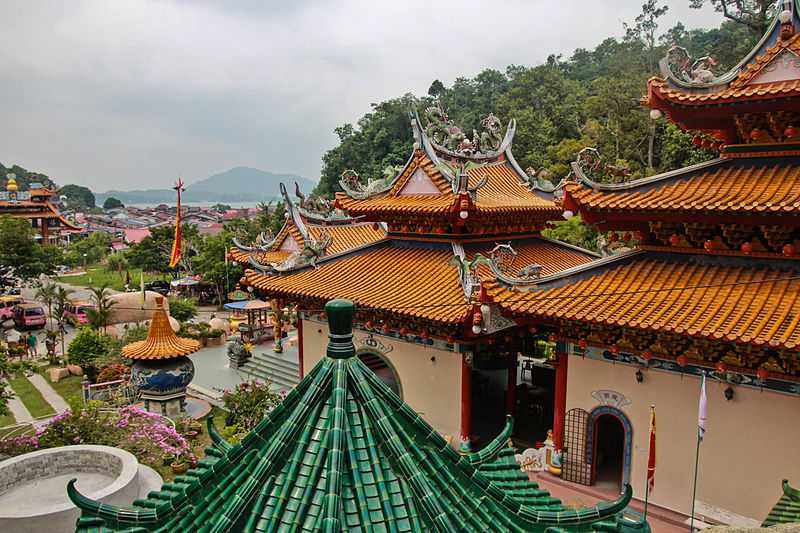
point(387, 328)
point(323, 315)
point(790, 132)
point(552, 337)
point(762, 374)
point(582, 344)
point(337, 204)
point(722, 367)
point(532, 330)
point(451, 339)
point(788, 250)
point(708, 245)
point(626, 236)
point(682, 361)
point(613, 348)
point(707, 144)
point(369, 324)
point(403, 332)
point(755, 134)
point(423, 334)
point(674, 239)
point(639, 236)
point(697, 140)
point(647, 356)
point(612, 237)
point(747, 248)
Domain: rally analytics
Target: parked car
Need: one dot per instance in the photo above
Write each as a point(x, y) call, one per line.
point(77, 312)
point(7, 304)
point(29, 315)
point(160, 286)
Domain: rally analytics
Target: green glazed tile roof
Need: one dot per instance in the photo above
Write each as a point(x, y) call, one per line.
point(787, 510)
point(342, 452)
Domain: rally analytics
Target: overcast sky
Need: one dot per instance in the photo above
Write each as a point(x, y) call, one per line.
point(122, 94)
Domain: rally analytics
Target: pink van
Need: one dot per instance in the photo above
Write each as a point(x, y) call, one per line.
point(29, 316)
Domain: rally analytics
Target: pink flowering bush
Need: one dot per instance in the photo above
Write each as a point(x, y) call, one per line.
point(146, 435)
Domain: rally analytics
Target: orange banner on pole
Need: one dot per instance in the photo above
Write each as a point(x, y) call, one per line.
point(651, 459)
point(175, 255)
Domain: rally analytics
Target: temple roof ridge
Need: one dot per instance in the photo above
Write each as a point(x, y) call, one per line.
point(583, 178)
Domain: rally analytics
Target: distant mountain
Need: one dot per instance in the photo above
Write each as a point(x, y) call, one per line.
point(240, 184)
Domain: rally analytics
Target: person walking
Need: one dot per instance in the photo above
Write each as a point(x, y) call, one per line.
point(33, 349)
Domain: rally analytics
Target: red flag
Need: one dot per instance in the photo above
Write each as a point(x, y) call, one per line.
point(651, 460)
point(175, 255)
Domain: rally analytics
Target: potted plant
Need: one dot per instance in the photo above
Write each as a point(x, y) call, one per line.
point(169, 458)
point(179, 465)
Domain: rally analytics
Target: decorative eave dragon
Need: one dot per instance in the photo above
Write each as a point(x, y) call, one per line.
point(448, 138)
point(350, 182)
point(263, 243)
point(317, 208)
point(313, 250)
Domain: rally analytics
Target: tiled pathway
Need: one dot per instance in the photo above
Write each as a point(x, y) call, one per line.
point(49, 393)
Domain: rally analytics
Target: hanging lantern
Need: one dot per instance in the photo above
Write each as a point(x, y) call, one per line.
point(612, 237)
point(368, 324)
point(613, 349)
point(451, 339)
point(627, 236)
point(477, 319)
point(721, 367)
point(638, 235)
point(708, 246)
point(697, 140)
point(747, 248)
point(403, 331)
point(762, 374)
point(647, 355)
point(552, 337)
point(788, 250)
point(532, 330)
point(423, 334)
point(790, 132)
point(674, 239)
point(755, 134)
point(582, 344)
point(387, 328)
point(682, 361)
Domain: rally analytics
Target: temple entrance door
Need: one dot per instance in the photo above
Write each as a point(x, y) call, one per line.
point(382, 368)
point(573, 461)
point(609, 452)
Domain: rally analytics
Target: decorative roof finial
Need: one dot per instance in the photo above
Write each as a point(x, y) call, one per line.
point(340, 323)
point(11, 184)
point(785, 17)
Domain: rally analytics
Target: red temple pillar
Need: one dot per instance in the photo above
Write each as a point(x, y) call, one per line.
point(300, 344)
point(511, 388)
point(43, 222)
point(466, 405)
point(560, 402)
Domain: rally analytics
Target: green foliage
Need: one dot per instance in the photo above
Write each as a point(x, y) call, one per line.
point(88, 250)
point(118, 262)
point(210, 264)
point(573, 231)
point(99, 315)
point(751, 14)
point(88, 349)
point(248, 403)
point(112, 203)
point(78, 197)
point(182, 309)
point(20, 256)
point(151, 254)
point(26, 177)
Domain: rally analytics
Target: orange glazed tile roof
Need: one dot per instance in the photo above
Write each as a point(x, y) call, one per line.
point(411, 281)
point(666, 296)
point(741, 88)
point(344, 237)
point(503, 193)
point(161, 342)
point(752, 187)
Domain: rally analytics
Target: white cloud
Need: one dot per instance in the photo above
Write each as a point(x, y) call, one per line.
point(130, 93)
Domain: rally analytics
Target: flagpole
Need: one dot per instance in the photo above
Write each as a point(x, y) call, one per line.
point(694, 488)
point(647, 476)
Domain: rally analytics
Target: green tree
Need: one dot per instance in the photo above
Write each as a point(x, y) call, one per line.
point(753, 14)
point(101, 313)
point(573, 231)
point(21, 257)
point(152, 253)
point(47, 294)
point(112, 203)
point(26, 177)
point(118, 262)
point(210, 264)
point(182, 309)
point(88, 250)
point(62, 299)
point(88, 349)
point(78, 196)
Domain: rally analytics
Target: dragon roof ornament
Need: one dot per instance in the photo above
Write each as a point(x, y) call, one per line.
point(350, 182)
point(686, 72)
point(318, 209)
point(501, 260)
point(263, 243)
point(313, 250)
point(589, 166)
point(447, 138)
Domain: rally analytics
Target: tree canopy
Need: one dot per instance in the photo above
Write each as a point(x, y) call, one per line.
point(112, 203)
point(21, 257)
point(78, 196)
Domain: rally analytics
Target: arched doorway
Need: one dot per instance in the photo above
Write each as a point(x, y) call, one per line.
point(609, 447)
point(381, 368)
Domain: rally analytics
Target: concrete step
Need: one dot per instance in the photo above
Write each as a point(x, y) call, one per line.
point(284, 366)
point(277, 385)
point(273, 373)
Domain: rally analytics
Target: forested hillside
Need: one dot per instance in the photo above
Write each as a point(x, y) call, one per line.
point(588, 99)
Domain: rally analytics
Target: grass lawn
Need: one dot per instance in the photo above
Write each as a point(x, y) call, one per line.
point(17, 432)
point(70, 389)
point(30, 396)
point(7, 420)
point(97, 275)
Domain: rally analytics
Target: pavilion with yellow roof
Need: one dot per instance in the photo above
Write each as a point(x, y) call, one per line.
point(35, 205)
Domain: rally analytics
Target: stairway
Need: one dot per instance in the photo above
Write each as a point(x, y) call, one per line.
point(281, 369)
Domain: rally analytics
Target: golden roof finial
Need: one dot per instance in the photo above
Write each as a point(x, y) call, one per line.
point(11, 184)
point(161, 342)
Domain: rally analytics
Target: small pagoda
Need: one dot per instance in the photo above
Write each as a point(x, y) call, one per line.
point(161, 369)
point(342, 452)
point(36, 206)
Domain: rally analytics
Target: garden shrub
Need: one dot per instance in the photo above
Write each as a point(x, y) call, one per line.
point(249, 403)
point(182, 309)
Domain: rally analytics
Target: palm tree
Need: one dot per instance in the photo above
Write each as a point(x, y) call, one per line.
point(47, 295)
point(62, 299)
point(101, 298)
